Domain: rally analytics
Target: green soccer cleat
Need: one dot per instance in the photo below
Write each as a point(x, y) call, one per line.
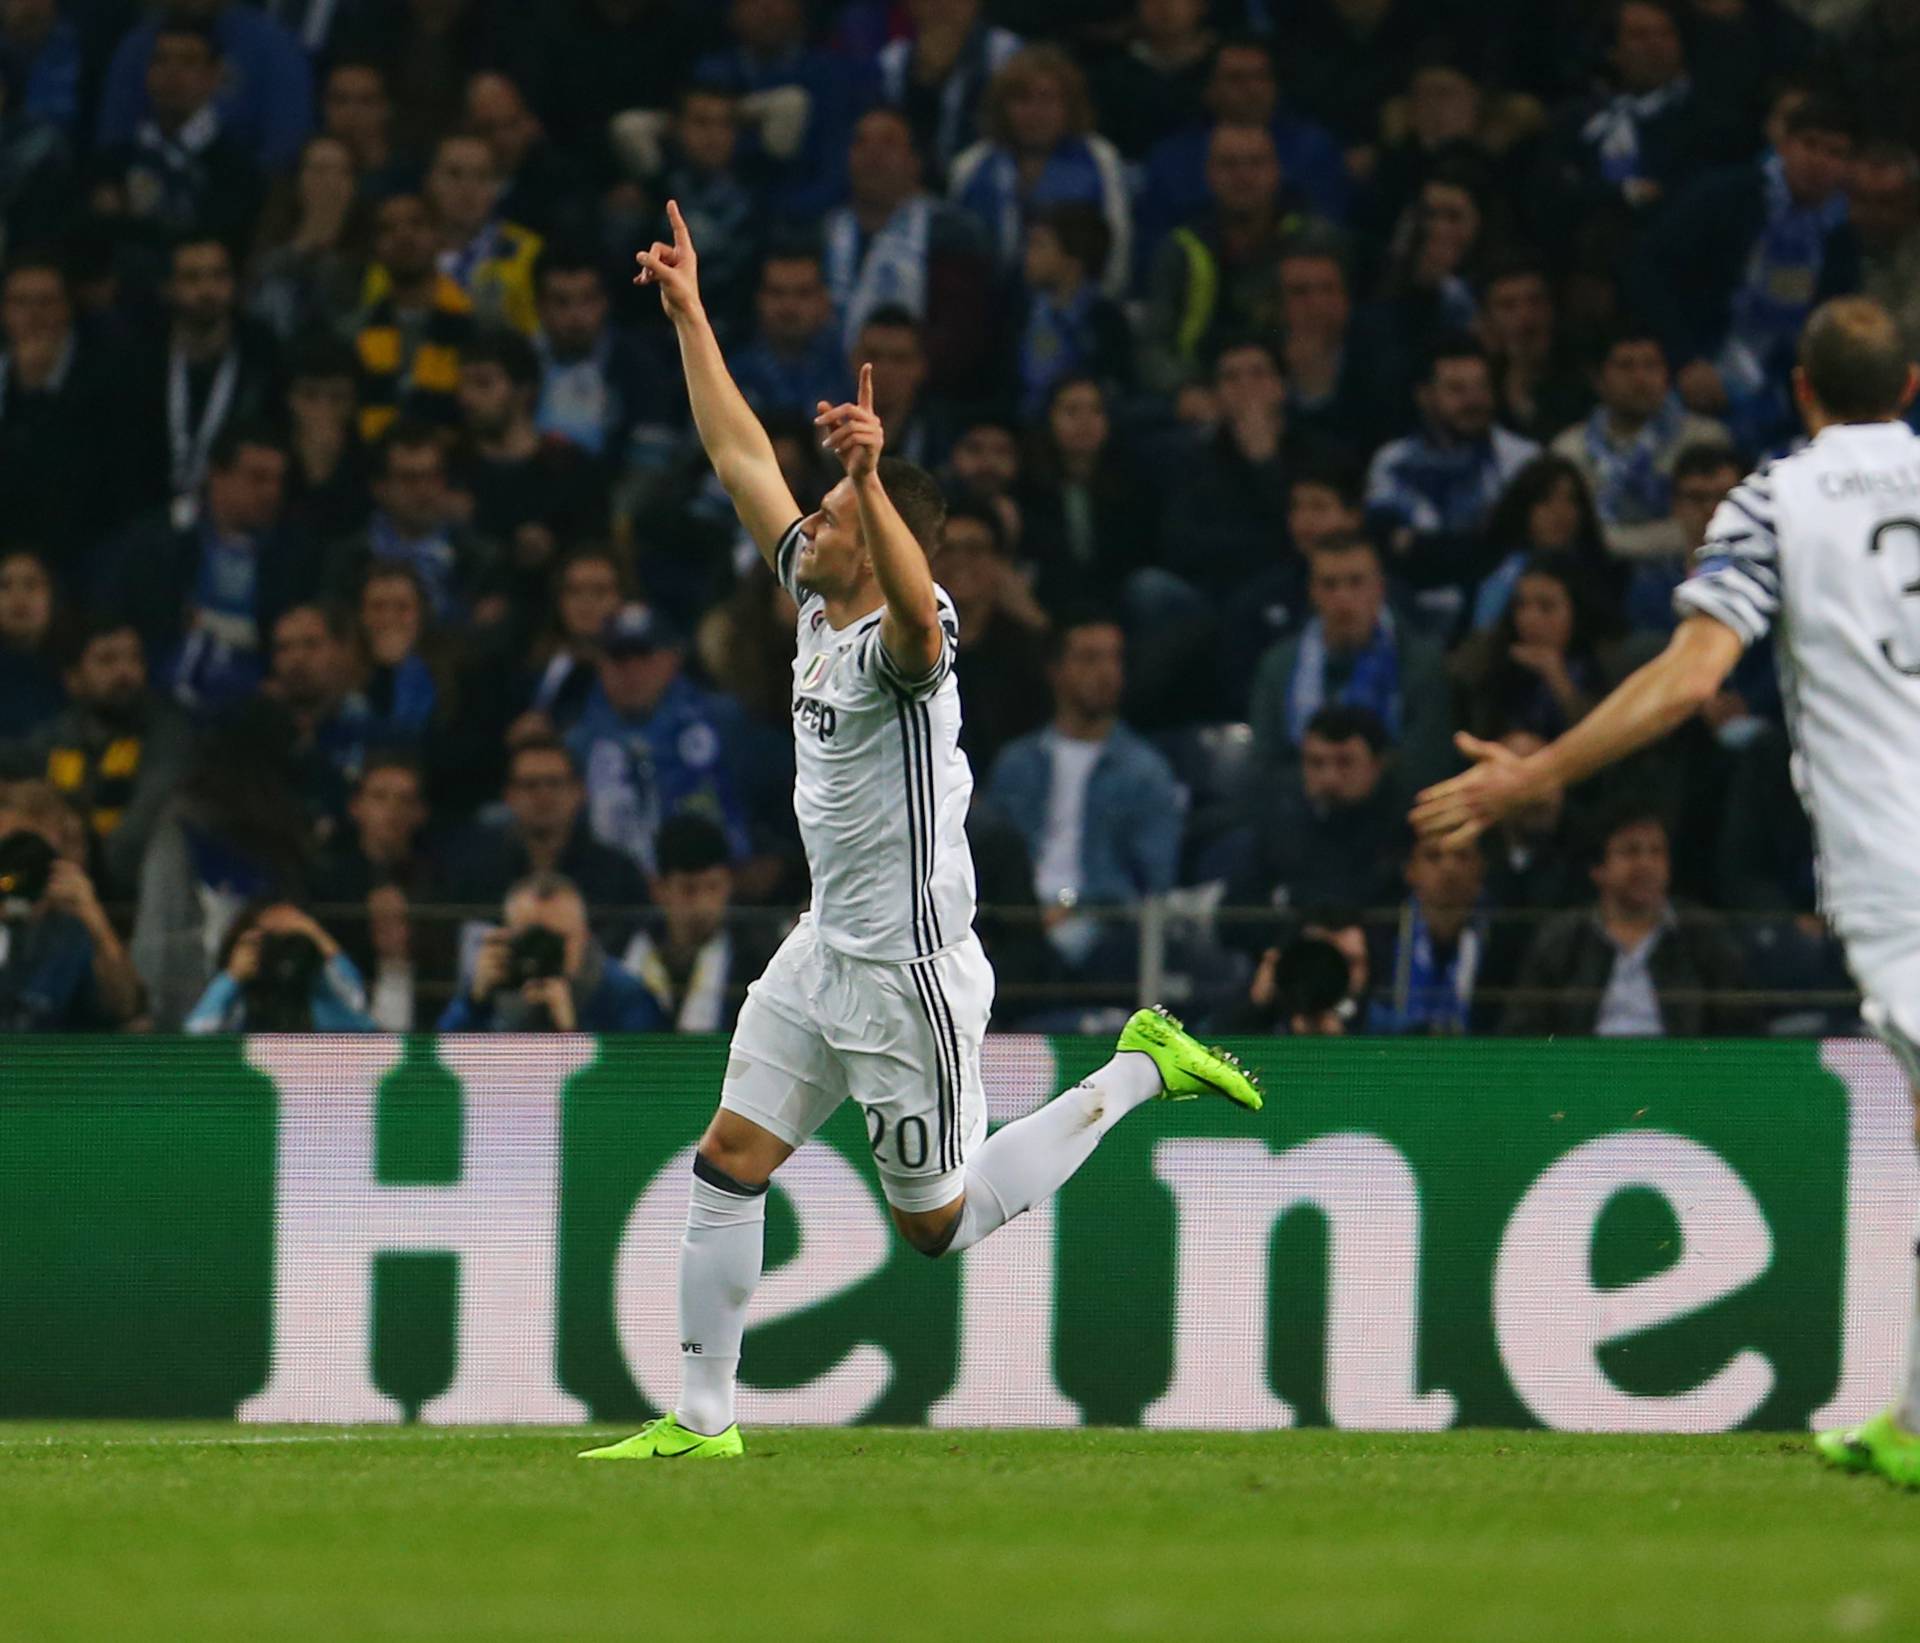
point(1877, 1445)
point(1188, 1068)
point(667, 1439)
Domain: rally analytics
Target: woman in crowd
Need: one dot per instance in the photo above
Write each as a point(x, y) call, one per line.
point(1087, 518)
point(1543, 664)
point(30, 690)
point(311, 253)
point(1547, 509)
point(280, 972)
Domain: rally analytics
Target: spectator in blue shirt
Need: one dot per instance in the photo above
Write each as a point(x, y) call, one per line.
point(41, 62)
point(62, 967)
point(281, 972)
point(265, 100)
point(544, 971)
point(1429, 495)
point(651, 742)
point(1095, 804)
point(795, 359)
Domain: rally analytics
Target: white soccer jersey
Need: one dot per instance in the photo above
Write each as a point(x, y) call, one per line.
point(881, 787)
point(1823, 548)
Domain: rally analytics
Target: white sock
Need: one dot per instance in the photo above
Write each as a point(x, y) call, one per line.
point(719, 1270)
point(1033, 1157)
point(1908, 1414)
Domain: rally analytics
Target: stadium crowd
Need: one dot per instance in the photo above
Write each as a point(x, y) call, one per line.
point(1309, 380)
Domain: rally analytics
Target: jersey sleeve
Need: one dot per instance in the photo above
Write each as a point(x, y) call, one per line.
point(785, 557)
point(884, 671)
point(1736, 572)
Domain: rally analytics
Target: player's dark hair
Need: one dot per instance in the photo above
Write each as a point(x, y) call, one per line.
point(1342, 723)
point(1082, 232)
point(916, 497)
point(1704, 457)
point(507, 349)
point(1855, 361)
point(688, 843)
point(985, 518)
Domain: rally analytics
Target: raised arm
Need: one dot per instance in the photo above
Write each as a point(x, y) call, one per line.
point(910, 627)
point(1658, 698)
point(734, 440)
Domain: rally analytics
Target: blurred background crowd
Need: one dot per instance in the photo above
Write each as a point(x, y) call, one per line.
point(1309, 379)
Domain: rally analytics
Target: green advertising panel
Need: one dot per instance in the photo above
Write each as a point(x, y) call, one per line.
point(1614, 1237)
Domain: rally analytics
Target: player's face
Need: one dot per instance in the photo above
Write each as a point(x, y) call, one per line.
point(1634, 380)
point(1636, 872)
point(1446, 877)
point(1338, 773)
point(833, 553)
point(1347, 592)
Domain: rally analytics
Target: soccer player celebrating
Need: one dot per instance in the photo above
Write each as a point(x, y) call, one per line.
point(882, 991)
point(1823, 548)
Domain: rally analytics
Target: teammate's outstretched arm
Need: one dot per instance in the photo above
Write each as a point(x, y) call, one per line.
point(735, 442)
point(910, 629)
point(1657, 698)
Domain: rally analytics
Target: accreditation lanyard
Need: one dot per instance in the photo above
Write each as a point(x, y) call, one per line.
point(193, 446)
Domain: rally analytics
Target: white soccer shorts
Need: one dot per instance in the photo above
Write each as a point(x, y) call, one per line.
point(1886, 965)
point(903, 1039)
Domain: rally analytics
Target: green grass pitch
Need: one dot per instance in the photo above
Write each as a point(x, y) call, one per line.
point(174, 1532)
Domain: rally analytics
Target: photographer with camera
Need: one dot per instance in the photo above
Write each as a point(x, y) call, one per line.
point(544, 971)
point(62, 967)
point(281, 973)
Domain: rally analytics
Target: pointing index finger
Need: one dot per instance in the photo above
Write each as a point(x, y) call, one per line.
point(681, 240)
point(866, 387)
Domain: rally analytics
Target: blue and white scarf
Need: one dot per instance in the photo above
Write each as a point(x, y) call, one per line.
point(1374, 682)
point(1055, 342)
point(1614, 131)
point(983, 56)
point(1632, 487)
point(888, 268)
point(220, 660)
point(1071, 176)
point(1777, 291)
point(1429, 995)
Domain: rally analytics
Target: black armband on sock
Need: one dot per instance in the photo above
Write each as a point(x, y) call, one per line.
point(715, 1176)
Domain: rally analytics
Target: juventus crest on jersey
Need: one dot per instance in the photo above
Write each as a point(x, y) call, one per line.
point(881, 788)
point(1822, 548)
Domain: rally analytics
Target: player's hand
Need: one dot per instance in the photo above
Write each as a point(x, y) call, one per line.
point(852, 432)
point(674, 268)
point(555, 995)
point(1460, 810)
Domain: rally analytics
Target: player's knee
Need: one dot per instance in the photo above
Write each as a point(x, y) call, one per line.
point(735, 1162)
point(928, 1235)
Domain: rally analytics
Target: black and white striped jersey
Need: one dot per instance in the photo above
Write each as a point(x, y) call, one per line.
point(881, 788)
point(1822, 549)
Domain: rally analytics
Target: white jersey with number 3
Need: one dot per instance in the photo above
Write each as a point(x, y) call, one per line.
point(1822, 548)
point(881, 788)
